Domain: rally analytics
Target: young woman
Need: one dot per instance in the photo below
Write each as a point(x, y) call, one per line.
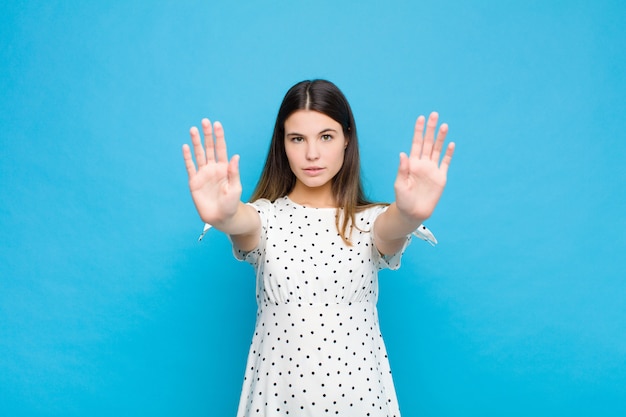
point(316, 244)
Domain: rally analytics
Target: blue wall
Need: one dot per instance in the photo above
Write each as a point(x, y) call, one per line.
point(109, 305)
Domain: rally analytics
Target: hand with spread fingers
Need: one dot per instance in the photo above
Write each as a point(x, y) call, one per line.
point(214, 183)
point(421, 176)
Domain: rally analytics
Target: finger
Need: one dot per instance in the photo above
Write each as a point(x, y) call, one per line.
point(429, 137)
point(441, 137)
point(418, 138)
point(403, 169)
point(198, 150)
point(191, 168)
point(447, 158)
point(220, 143)
point(233, 170)
point(208, 140)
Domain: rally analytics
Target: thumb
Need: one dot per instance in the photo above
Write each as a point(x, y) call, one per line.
point(233, 170)
point(403, 170)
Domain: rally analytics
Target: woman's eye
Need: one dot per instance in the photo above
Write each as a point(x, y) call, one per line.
point(326, 137)
point(297, 139)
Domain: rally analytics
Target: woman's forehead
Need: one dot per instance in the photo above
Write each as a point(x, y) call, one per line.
point(310, 122)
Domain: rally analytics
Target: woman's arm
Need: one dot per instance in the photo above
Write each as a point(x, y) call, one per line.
point(215, 187)
point(418, 187)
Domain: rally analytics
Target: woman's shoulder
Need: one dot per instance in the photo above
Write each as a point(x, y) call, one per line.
point(366, 214)
point(265, 205)
point(266, 202)
point(260, 202)
point(372, 208)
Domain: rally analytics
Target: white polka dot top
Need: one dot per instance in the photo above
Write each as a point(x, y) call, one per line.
point(317, 349)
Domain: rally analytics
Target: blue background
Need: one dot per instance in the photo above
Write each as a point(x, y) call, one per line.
point(109, 305)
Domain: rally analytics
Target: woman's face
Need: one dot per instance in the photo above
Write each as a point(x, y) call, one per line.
point(315, 147)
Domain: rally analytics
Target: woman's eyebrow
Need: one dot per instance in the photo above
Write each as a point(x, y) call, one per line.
point(302, 134)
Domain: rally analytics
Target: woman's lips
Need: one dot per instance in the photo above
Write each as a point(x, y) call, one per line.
point(313, 171)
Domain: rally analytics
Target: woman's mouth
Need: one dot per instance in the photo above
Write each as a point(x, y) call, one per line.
point(313, 171)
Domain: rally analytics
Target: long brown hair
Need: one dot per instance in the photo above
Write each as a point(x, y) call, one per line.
point(277, 180)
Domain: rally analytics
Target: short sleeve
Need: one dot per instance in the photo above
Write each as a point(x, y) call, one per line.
point(265, 208)
point(392, 261)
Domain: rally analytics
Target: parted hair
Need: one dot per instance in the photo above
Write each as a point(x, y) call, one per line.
point(277, 180)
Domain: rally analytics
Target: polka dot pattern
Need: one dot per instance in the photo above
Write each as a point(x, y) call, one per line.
point(317, 348)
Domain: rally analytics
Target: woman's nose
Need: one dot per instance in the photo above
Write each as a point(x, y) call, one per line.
point(312, 152)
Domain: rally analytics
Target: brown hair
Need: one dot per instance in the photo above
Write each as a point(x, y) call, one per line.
point(277, 180)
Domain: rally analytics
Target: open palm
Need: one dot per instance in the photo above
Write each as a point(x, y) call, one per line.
point(421, 176)
point(215, 184)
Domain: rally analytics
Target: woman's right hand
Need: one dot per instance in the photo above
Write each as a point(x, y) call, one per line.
point(215, 184)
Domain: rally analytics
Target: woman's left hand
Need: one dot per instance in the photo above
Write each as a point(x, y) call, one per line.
point(421, 176)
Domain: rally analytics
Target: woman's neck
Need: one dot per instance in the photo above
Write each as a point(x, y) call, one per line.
point(318, 197)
